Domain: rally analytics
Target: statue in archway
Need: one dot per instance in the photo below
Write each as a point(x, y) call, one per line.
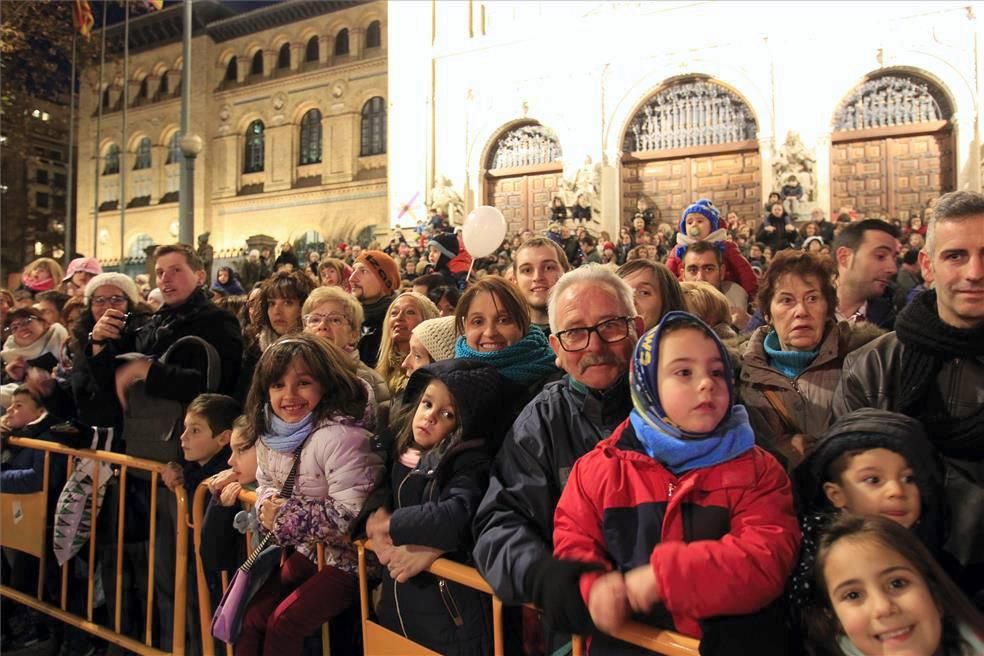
point(445, 200)
point(793, 173)
point(206, 253)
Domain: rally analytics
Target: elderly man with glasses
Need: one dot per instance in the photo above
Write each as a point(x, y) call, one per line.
point(594, 328)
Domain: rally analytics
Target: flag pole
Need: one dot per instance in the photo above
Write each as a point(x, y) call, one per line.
point(70, 201)
point(186, 200)
point(126, 104)
point(99, 115)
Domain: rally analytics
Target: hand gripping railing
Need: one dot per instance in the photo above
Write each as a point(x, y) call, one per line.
point(33, 529)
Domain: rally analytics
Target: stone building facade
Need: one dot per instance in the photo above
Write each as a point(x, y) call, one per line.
point(871, 105)
point(290, 102)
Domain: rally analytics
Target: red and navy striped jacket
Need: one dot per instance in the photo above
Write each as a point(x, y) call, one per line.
point(721, 540)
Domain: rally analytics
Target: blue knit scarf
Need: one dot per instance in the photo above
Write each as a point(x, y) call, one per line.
point(789, 363)
point(283, 436)
point(663, 441)
point(524, 362)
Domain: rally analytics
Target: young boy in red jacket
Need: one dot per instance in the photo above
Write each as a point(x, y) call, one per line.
point(691, 524)
point(701, 222)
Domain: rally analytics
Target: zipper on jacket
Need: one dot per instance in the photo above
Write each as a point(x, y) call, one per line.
point(450, 604)
point(399, 614)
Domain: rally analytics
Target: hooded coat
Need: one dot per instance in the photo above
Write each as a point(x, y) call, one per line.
point(433, 504)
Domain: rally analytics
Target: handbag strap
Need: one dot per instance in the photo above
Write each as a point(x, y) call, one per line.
point(287, 491)
point(780, 409)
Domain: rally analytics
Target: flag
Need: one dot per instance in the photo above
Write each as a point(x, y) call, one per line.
point(82, 13)
point(154, 4)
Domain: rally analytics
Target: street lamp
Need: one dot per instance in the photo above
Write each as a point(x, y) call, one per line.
point(191, 145)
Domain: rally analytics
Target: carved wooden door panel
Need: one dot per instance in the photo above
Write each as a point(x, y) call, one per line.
point(509, 196)
point(731, 180)
point(541, 190)
point(892, 177)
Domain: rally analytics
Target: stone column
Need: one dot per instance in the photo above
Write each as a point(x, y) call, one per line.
point(158, 154)
point(357, 42)
point(341, 132)
point(296, 56)
point(766, 154)
point(225, 165)
point(326, 49)
point(821, 175)
point(242, 68)
point(279, 158)
point(269, 63)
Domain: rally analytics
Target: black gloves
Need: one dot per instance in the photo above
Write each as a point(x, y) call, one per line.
point(554, 589)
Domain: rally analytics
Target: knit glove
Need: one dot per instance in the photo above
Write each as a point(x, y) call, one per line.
point(556, 591)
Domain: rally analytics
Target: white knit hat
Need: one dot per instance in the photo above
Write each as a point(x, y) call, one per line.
point(121, 281)
point(437, 336)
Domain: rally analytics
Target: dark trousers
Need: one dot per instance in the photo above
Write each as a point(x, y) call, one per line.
point(293, 604)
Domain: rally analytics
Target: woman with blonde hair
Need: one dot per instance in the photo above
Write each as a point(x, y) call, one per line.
point(404, 313)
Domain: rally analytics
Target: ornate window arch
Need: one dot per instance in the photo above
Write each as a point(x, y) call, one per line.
point(112, 157)
point(253, 158)
point(174, 148)
point(256, 65)
point(310, 137)
point(892, 99)
point(525, 145)
point(688, 113)
point(312, 51)
point(283, 57)
point(342, 42)
point(373, 127)
point(232, 70)
point(374, 37)
point(143, 157)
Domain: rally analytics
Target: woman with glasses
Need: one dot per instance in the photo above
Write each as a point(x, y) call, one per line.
point(492, 321)
point(331, 313)
point(277, 312)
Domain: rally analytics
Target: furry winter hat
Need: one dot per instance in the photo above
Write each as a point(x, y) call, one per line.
point(475, 386)
point(437, 336)
point(706, 209)
point(118, 280)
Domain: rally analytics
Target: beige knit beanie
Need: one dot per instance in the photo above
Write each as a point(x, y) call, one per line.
point(437, 336)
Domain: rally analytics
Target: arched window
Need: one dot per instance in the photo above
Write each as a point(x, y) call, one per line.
point(162, 89)
point(312, 51)
point(253, 161)
point(232, 70)
point(311, 137)
point(283, 58)
point(112, 160)
point(373, 127)
point(144, 90)
point(374, 37)
point(341, 43)
point(143, 155)
point(174, 149)
point(256, 68)
point(105, 98)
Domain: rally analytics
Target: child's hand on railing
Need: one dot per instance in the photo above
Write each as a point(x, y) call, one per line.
point(269, 510)
point(378, 527)
point(218, 482)
point(229, 495)
point(407, 561)
point(642, 588)
point(172, 476)
point(608, 602)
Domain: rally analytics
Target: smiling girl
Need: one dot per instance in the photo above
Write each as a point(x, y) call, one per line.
point(883, 593)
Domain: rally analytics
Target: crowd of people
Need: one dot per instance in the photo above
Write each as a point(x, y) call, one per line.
point(765, 435)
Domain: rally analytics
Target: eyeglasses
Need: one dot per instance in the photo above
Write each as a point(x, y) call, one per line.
point(335, 320)
point(23, 323)
point(609, 331)
point(109, 300)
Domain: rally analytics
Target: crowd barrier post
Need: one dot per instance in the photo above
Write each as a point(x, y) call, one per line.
point(658, 641)
point(30, 536)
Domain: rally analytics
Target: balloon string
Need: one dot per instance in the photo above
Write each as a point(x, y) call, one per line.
point(470, 267)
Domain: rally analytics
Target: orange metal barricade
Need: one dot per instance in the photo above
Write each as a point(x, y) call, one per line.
point(30, 536)
point(657, 641)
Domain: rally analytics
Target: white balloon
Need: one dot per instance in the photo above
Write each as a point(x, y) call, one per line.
point(483, 231)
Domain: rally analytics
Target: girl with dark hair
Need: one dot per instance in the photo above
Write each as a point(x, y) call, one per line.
point(227, 282)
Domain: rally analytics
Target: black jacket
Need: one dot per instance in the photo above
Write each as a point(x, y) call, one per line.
point(779, 238)
point(183, 378)
point(514, 524)
point(372, 329)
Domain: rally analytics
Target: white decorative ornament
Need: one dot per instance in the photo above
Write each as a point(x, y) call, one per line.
point(173, 228)
point(103, 236)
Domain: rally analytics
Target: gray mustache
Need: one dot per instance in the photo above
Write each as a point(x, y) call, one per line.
point(596, 359)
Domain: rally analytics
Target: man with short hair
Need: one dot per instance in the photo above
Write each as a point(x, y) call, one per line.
point(865, 253)
point(537, 266)
point(704, 262)
point(932, 368)
point(589, 246)
point(374, 281)
point(595, 328)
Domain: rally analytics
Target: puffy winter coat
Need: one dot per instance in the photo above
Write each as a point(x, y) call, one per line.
point(337, 471)
point(721, 540)
point(806, 398)
point(514, 524)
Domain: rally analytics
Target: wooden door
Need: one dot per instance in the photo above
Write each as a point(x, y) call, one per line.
point(524, 200)
point(733, 181)
point(891, 177)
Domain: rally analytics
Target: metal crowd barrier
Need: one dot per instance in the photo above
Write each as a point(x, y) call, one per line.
point(379, 641)
point(24, 529)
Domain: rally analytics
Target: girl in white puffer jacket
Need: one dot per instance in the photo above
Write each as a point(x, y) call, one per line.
point(306, 394)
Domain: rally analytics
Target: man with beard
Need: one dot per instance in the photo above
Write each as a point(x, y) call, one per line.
point(932, 368)
point(865, 253)
point(595, 327)
point(374, 281)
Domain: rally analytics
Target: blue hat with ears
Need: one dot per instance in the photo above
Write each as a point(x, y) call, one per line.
point(645, 365)
point(706, 209)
